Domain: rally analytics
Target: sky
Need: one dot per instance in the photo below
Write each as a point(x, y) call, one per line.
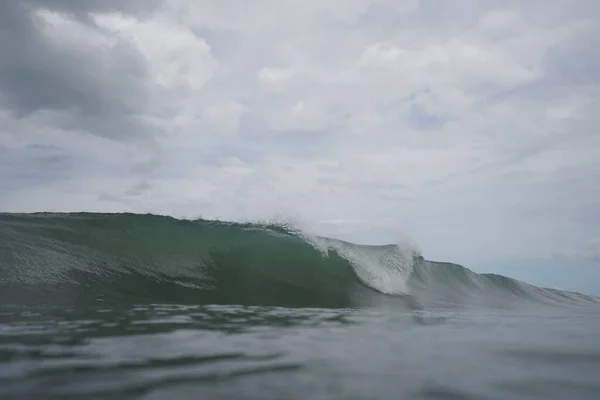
point(469, 127)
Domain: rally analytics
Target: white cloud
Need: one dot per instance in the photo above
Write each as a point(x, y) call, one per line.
point(279, 17)
point(176, 57)
point(274, 75)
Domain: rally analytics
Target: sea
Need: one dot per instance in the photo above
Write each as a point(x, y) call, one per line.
point(132, 306)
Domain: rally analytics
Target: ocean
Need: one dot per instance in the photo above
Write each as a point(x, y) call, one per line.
point(127, 306)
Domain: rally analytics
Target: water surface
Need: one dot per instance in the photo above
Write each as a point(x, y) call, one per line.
point(146, 307)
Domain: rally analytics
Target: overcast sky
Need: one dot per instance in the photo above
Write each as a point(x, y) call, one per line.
point(469, 126)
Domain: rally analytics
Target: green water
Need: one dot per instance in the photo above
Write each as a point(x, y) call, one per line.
point(144, 307)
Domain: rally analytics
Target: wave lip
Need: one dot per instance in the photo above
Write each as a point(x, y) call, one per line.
point(84, 257)
point(384, 268)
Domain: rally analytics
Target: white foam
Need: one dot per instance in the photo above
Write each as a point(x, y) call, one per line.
point(384, 268)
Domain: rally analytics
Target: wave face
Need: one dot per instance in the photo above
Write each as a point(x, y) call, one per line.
point(84, 257)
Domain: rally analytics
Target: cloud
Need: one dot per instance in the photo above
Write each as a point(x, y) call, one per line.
point(593, 248)
point(110, 70)
point(470, 127)
point(587, 252)
point(64, 68)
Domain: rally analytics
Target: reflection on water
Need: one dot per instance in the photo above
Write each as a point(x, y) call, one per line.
point(157, 351)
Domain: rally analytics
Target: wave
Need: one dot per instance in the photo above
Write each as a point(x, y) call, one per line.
point(88, 257)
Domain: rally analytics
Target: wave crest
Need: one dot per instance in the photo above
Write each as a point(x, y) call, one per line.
point(121, 257)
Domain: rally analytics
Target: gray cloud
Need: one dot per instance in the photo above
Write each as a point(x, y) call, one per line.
point(578, 60)
point(139, 189)
point(36, 146)
point(98, 90)
point(81, 8)
point(23, 168)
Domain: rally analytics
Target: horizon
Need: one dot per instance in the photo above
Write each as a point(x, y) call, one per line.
point(468, 129)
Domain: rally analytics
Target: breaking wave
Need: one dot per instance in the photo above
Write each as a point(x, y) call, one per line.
point(86, 257)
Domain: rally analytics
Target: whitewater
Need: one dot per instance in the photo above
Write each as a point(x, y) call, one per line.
point(147, 306)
